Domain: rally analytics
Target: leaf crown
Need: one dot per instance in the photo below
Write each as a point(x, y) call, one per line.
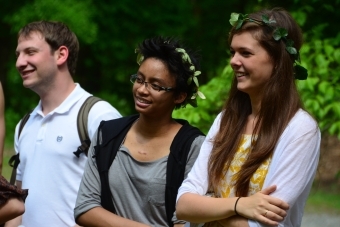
point(237, 20)
point(192, 80)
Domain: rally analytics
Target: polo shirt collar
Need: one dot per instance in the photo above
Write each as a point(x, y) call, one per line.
point(66, 105)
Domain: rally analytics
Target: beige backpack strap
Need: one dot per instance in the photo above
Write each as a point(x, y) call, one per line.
point(82, 125)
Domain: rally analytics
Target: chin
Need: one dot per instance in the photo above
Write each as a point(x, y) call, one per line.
point(26, 84)
point(240, 88)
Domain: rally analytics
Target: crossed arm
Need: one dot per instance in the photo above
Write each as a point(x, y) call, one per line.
point(292, 170)
point(222, 210)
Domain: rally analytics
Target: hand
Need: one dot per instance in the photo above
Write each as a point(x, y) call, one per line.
point(262, 207)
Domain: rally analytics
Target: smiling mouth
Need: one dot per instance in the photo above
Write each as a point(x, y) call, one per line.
point(240, 74)
point(142, 100)
point(26, 72)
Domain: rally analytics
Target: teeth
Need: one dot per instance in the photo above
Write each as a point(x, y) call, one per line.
point(142, 101)
point(239, 74)
point(27, 72)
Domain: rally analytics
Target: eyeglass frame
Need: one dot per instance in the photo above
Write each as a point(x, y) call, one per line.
point(155, 87)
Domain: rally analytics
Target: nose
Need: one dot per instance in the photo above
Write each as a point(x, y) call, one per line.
point(21, 62)
point(143, 87)
point(235, 61)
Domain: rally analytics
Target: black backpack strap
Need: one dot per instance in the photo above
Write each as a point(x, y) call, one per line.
point(82, 118)
point(14, 160)
point(109, 139)
point(176, 164)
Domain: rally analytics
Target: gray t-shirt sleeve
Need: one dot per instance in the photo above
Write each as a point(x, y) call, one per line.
point(90, 186)
point(192, 156)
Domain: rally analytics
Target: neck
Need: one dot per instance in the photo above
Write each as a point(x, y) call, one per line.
point(151, 127)
point(253, 117)
point(52, 96)
point(255, 104)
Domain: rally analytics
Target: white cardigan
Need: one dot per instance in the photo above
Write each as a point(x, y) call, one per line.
point(292, 168)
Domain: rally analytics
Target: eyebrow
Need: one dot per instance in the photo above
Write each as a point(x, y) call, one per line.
point(26, 48)
point(152, 79)
point(240, 48)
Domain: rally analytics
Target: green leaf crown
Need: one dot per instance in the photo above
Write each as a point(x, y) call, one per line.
point(192, 79)
point(237, 20)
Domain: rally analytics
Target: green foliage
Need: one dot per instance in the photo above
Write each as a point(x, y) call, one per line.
point(109, 31)
point(320, 92)
point(216, 93)
point(12, 118)
point(76, 14)
point(122, 105)
point(324, 199)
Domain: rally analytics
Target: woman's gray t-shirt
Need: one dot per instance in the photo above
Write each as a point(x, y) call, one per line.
point(138, 188)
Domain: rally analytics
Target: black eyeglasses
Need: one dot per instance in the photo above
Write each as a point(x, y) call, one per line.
point(139, 80)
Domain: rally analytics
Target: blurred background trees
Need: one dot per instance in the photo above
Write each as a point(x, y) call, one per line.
point(109, 31)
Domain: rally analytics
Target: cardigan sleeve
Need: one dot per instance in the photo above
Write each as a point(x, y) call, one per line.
point(294, 165)
point(197, 180)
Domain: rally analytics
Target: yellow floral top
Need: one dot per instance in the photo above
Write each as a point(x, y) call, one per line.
point(226, 188)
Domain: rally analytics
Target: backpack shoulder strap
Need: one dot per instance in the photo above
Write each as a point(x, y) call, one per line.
point(176, 164)
point(14, 160)
point(23, 122)
point(82, 119)
point(109, 138)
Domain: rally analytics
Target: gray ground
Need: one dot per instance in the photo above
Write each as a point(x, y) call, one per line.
point(314, 219)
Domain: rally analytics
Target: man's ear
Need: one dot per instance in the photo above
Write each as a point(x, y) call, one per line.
point(180, 97)
point(61, 55)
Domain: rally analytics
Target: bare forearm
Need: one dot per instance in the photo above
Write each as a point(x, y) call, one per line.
point(14, 222)
point(99, 217)
point(259, 207)
point(11, 209)
point(190, 208)
point(234, 221)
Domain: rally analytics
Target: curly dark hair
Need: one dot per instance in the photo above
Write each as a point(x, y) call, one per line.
point(164, 49)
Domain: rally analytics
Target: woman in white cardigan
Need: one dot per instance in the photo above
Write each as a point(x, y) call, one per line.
point(263, 142)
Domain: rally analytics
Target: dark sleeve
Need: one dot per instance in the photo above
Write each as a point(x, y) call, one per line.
point(8, 191)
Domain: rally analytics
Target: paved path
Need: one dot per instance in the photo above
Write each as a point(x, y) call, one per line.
point(320, 220)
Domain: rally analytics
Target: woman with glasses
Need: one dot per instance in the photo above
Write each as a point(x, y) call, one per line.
point(154, 151)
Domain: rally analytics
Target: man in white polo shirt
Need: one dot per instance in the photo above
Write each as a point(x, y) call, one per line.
point(46, 60)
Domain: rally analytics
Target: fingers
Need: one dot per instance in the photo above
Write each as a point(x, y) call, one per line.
point(263, 208)
point(278, 203)
point(270, 210)
point(269, 190)
point(269, 218)
point(274, 213)
point(275, 201)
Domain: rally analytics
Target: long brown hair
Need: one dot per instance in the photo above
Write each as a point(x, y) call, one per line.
point(280, 102)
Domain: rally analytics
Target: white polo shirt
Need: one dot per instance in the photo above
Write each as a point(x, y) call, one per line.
point(48, 167)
